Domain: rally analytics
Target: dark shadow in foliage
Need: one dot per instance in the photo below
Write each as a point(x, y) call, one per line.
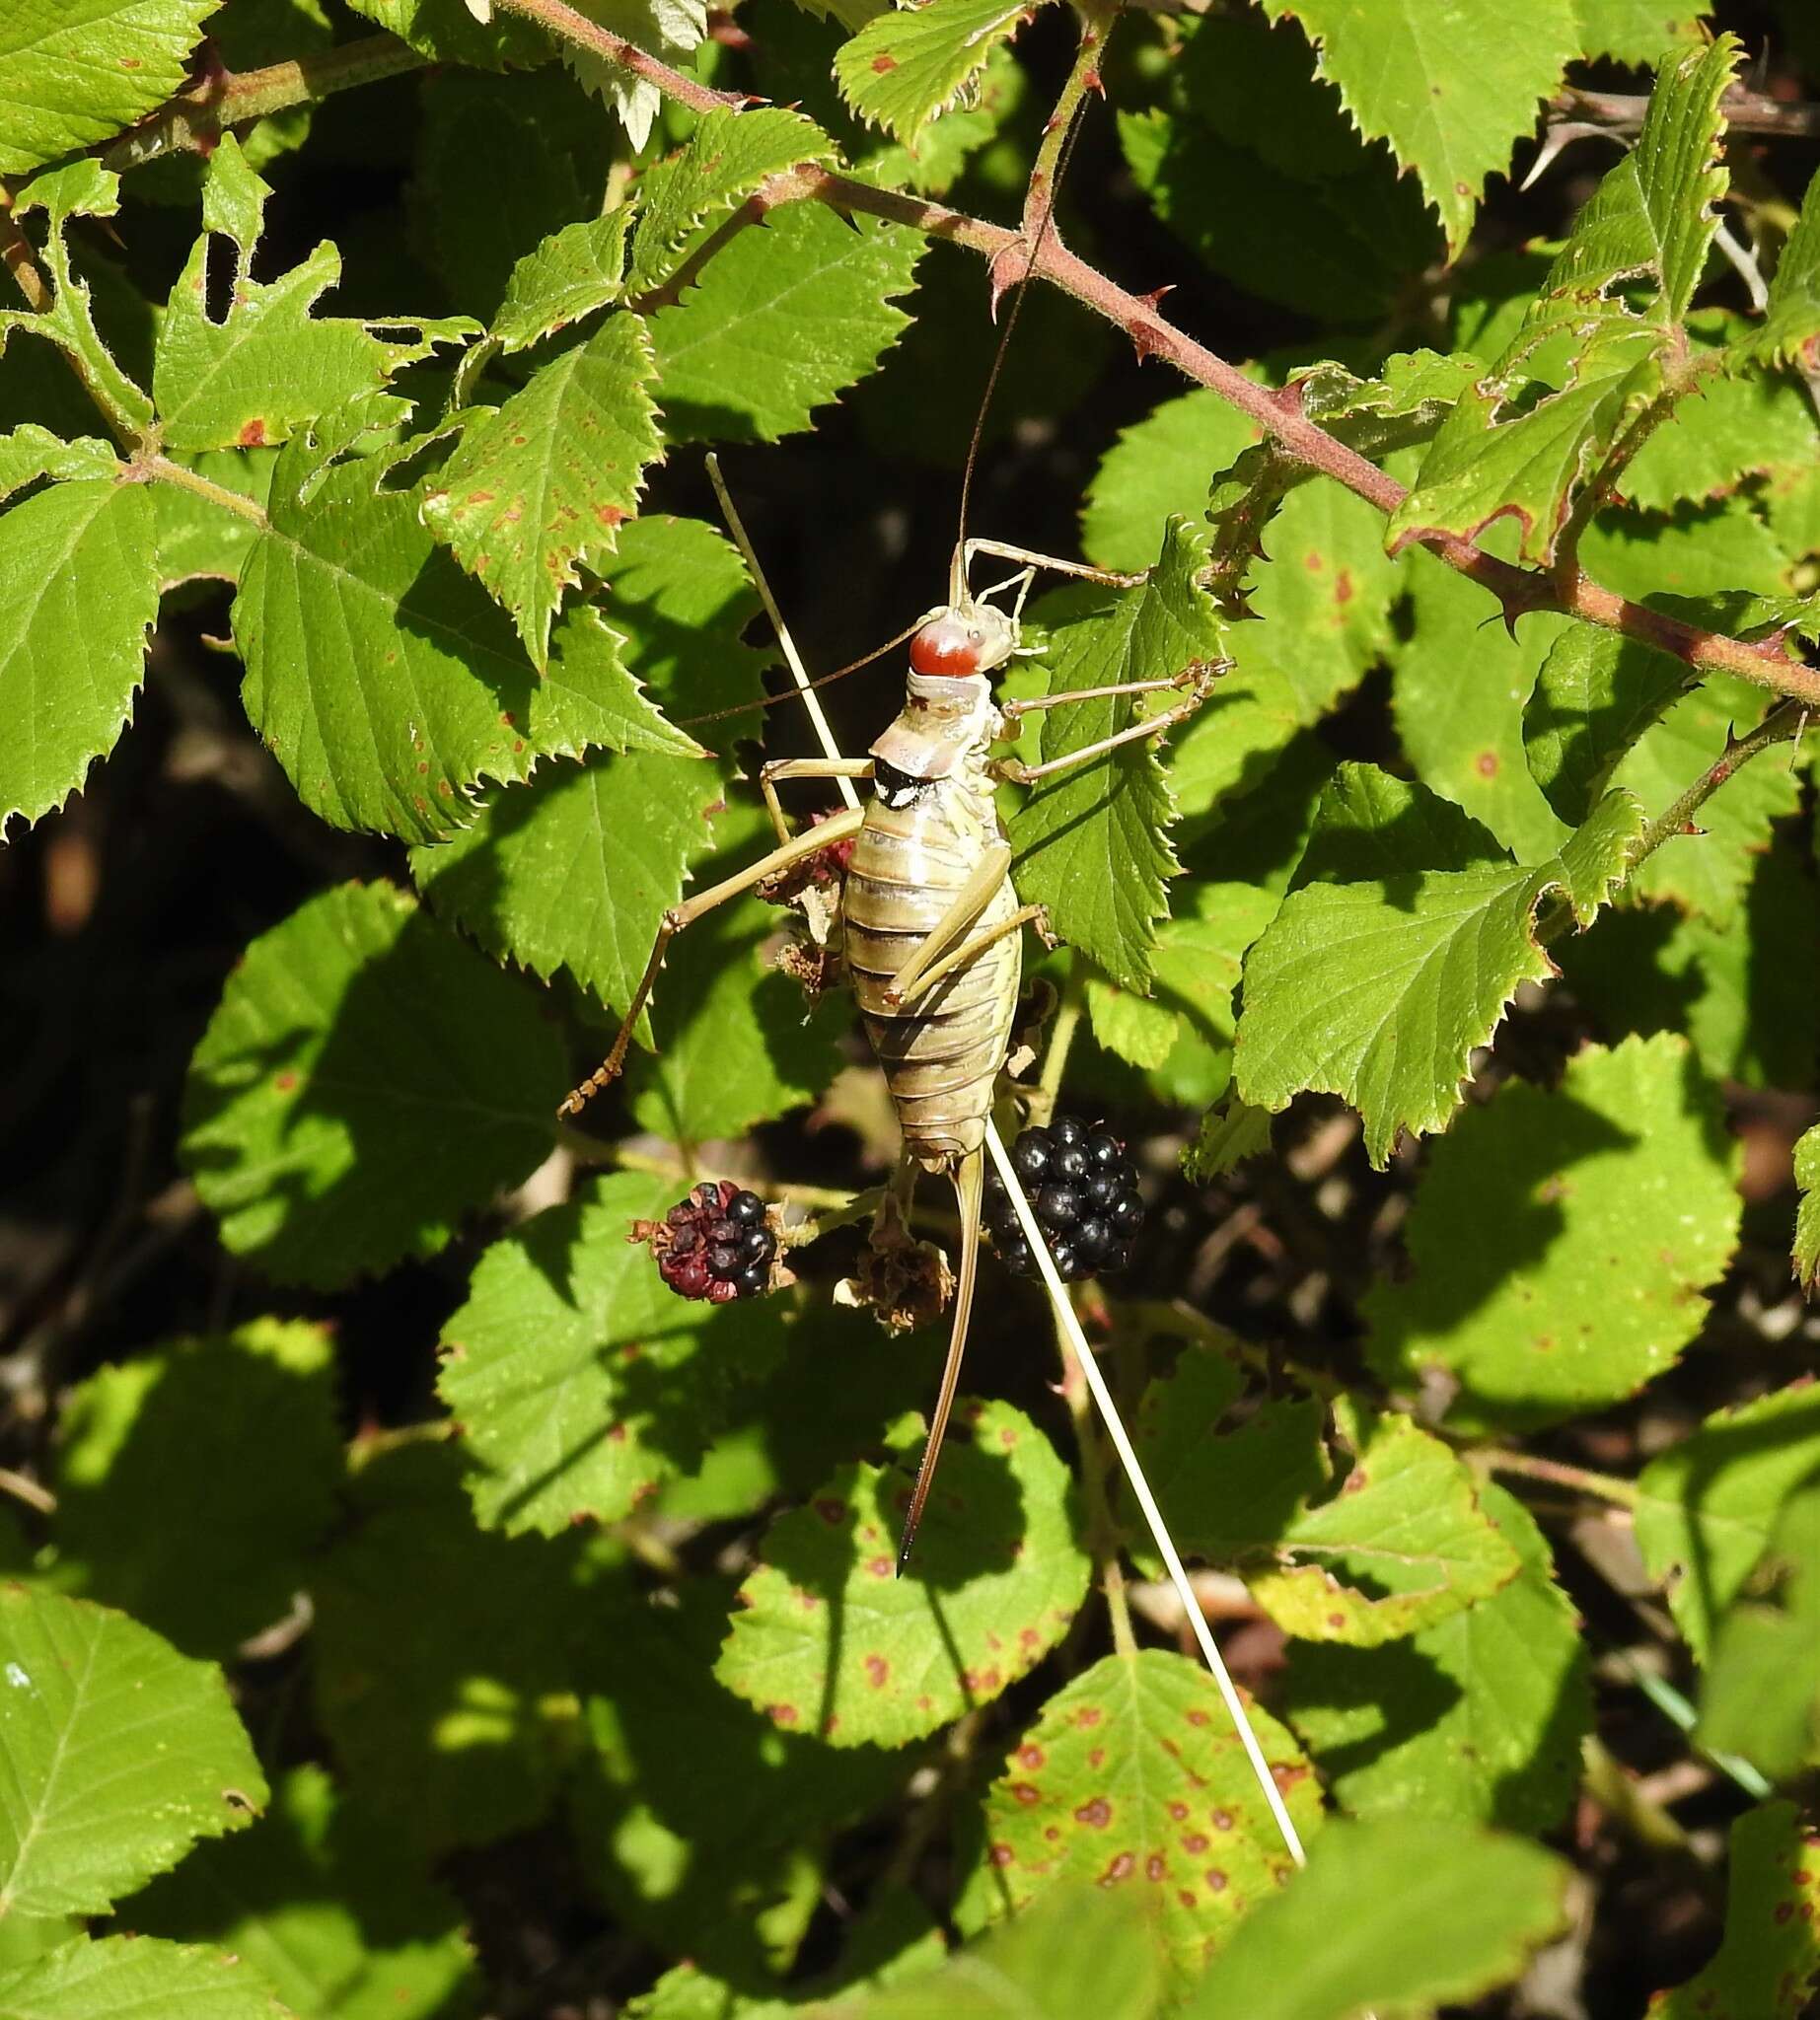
point(436, 1068)
point(1410, 1694)
point(690, 1806)
point(442, 1655)
point(314, 1855)
point(1516, 1205)
point(1631, 973)
point(226, 1479)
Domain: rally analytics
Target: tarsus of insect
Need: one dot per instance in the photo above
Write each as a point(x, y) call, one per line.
point(931, 927)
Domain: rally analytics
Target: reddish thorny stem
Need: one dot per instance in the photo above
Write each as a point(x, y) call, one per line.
point(1277, 412)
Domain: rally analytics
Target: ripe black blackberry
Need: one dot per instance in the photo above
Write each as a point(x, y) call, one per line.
point(1084, 1190)
point(717, 1245)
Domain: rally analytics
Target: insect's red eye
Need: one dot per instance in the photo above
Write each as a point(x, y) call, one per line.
point(945, 646)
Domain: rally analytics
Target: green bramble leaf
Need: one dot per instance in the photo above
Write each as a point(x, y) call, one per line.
point(908, 66)
point(1708, 873)
point(148, 1979)
point(269, 365)
point(366, 1079)
point(1708, 1507)
point(448, 32)
point(1596, 694)
point(1075, 1950)
point(228, 1557)
point(580, 1380)
point(79, 74)
point(458, 1730)
point(1642, 240)
point(1432, 1914)
point(1478, 1717)
point(537, 489)
point(78, 597)
point(782, 320)
point(116, 1753)
point(1450, 101)
point(727, 157)
point(1465, 738)
point(624, 830)
point(31, 451)
point(327, 1907)
point(1653, 968)
point(1372, 227)
point(1619, 1190)
point(1791, 329)
point(83, 189)
point(563, 278)
point(666, 29)
point(387, 683)
point(1728, 430)
point(1808, 1215)
point(1092, 843)
point(1767, 1962)
point(701, 1824)
point(1761, 1695)
point(1377, 980)
point(1156, 470)
point(830, 1641)
point(1229, 1134)
point(1132, 1779)
point(1636, 32)
point(1396, 1543)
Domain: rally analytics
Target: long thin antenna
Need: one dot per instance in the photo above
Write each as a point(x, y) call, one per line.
point(1140, 1488)
point(1004, 339)
point(805, 687)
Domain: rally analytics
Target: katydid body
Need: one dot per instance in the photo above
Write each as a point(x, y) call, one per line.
point(929, 919)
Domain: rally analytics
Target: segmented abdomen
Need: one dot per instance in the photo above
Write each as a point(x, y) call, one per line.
point(941, 1055)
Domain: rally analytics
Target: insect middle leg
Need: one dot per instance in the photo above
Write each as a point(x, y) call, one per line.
point(836, 827)
point(1020, 773)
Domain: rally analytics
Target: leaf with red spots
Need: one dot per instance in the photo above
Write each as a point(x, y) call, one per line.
point(1133, 1779)
point(538, 487)
point(1398, 1544)
point(831, 1640)
point(581, 1382)
point(1768, 1964)
point(1403, 1915)
point(383, 679)
point(74, 76)
point(270, 363)
point(906, 66)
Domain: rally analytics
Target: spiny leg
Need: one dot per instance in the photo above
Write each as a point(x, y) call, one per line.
point(969, 1192)
point(971, 949)
point(1030, 705)
point(803, 768)
point(835, 829)
point(1020, 773)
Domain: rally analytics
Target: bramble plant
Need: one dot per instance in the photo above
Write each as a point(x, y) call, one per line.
point(449, 1549)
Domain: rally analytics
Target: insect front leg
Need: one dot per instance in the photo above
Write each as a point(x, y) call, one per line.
point(833, 829)
point(1020, 773)
point(803, 768)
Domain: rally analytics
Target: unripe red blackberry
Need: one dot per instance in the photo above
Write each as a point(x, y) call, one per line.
point(716, 1244)
point(1083, 1190)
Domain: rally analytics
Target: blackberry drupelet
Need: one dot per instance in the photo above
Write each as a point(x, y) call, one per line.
point(717, 1245)
point(1084, 1190)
